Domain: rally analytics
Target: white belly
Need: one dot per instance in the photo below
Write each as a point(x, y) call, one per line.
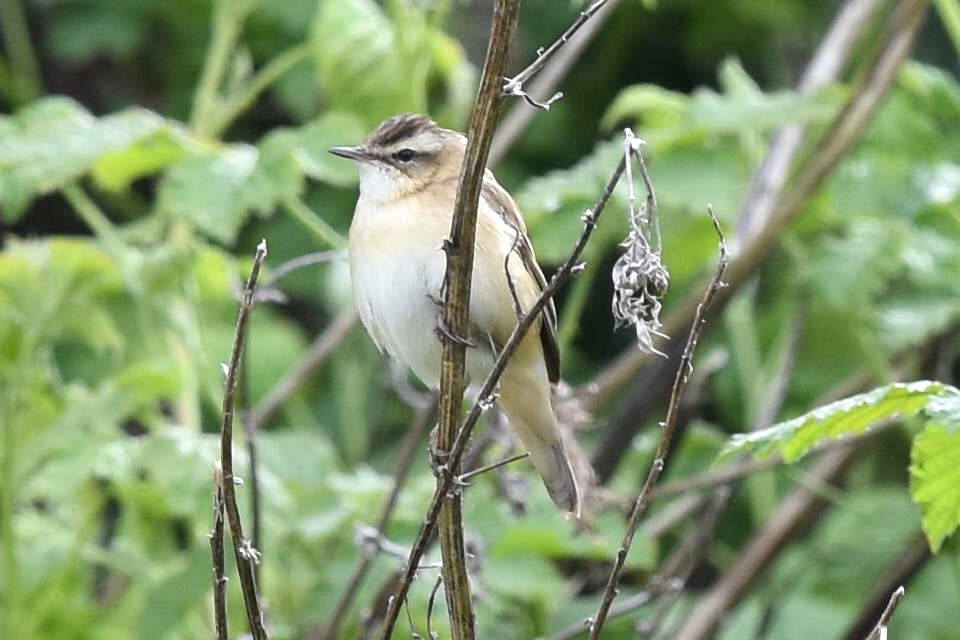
point(397, 271)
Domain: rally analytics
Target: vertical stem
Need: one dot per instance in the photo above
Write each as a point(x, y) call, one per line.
point(460, 252)
point(949, 11)
point(228, 16)
point(25, 82)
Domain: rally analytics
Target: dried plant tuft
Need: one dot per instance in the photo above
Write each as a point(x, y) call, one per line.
point(640, 279)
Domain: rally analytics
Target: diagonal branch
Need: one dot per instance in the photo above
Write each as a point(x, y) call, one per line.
point(833, 145)
point(669, 425)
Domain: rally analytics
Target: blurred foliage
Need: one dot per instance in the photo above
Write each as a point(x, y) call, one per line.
point(173, 134)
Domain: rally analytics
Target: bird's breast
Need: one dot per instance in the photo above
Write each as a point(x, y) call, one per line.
point(397, 267)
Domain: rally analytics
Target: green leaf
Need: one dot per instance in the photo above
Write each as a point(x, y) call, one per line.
point(667, 115)
point(935, 479)
point(650, 104)
point(54, 141)
point(355, 49)
point(314, 140)
point(210, 191)
point(848, 417)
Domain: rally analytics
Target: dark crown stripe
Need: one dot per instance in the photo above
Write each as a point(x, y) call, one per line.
point(397, 128)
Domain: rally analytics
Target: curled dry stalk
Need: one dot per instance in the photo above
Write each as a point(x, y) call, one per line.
point(246, 555)
point(684, 369)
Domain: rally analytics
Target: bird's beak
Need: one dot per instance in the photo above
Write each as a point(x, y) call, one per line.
point(353, 153)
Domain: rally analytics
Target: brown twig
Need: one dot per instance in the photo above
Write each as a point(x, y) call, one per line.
point(246, 554)
point(761, 205)
point(219, 570)
point(570, 268)
point(825, 67)
point(546, 82)
point(906, 564)
point(673, 572)
point(656, 468)
point(250, 434)
point(465, 477)
point(801, 505)
point(514, 86)
point(835, 142)
point(408, 449)
point(321, 349)
point(880, 631)
point(455, 323)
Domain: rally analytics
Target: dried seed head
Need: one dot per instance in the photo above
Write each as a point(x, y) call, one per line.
point(639, 280)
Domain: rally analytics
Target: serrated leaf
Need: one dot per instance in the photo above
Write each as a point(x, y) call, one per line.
point(848, 417)
point(935, 480)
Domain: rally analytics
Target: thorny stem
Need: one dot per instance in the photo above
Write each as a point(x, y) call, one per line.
point(570, 269)
point(246, 554)
point(656, 468)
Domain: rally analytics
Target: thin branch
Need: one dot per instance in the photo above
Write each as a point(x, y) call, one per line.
point(306, 260)
point(546, 82)
point(570, 268)
point(269, 74)
point(244, 551)
point(799, 507)
point(656, 468)
point(465, 477)
point(455, 322)
point(902, 569)
point(825, 67)
point(514, 86)
point(430, 604)
point(219, 571)
point(880, 631)
point(831, 55)
point(321, 349)
point(250, 432)
point(835, 142)
point(672, 574)
point(408, 449)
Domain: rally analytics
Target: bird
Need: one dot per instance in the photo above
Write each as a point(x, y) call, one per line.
point(408, 175)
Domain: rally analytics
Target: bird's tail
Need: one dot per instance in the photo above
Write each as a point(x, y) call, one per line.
point(531, 416)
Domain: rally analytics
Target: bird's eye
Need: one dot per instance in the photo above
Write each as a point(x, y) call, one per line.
point(405, 155)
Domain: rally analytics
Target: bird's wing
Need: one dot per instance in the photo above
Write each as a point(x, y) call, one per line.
point(502, 202)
